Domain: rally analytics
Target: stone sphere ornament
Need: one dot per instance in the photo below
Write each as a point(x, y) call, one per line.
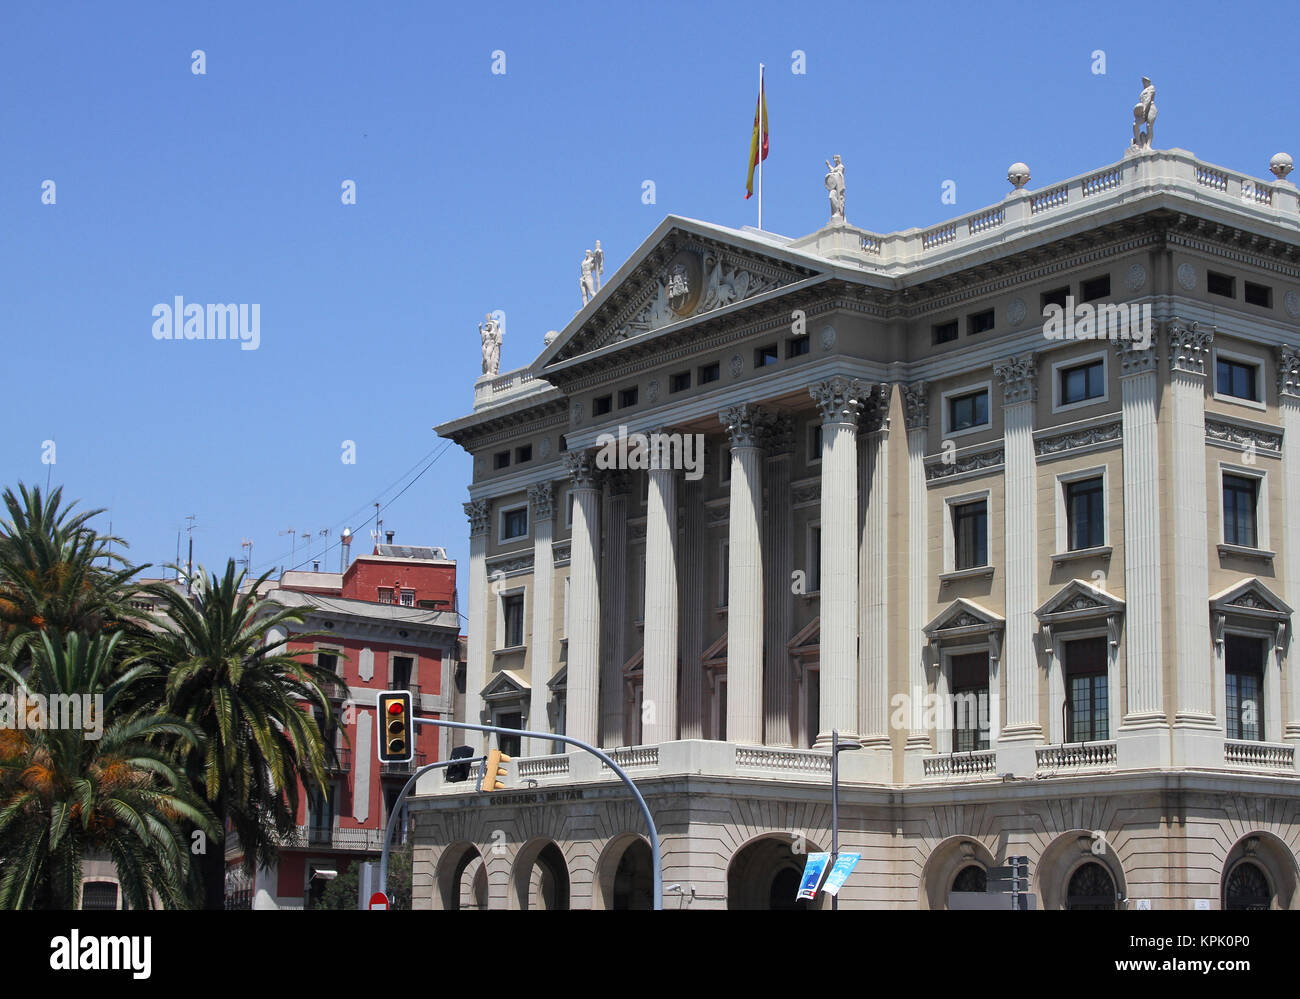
point(1018, 175)
point(1281, 164)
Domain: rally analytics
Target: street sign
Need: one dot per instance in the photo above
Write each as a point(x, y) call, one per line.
point(379, 901)
point(812, 875)
point(840, 872)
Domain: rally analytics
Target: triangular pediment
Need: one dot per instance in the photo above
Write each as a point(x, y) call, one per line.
point(685, 270)
point(1078, 599)
point(808, 641)
point(636, 665)
point(716, 654)
point(1251, 598)
point(964, 617)
point(505, 685)
point(560, 680)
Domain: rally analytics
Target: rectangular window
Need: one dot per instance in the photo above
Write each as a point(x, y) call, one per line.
point(1244, 673)
point(797, 347)
point(1240, 495)
point(1094, 288)
point(509, 744)
point(501, 460)
point(1236, 379)
point(385, 595)
point(679, 382)
point(944, 332)
point(1220, 284)
point(763, 356)
point(979, 322)
point(1258, 294)
point(1082, 382)
point(402, 668)
point(408, 598)
point(710, 373)
point(724, 574)
point(514, 523)
point(815, 443)
point(1056, 296)
point(329, 660)
point(815, 558)
point(971, 410)
point(1087, 708)
point(602, 405)
point(1084, 517)
point(970, 535)
point(970, 702)
point(524, 453)
point(627, 397)
point(513, 609)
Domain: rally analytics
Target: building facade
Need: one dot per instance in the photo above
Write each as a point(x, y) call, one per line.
point(1012, 503)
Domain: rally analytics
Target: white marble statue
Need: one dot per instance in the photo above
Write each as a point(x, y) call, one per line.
point(550, 337)
point(587, 283)
point(490, 331)
point(1144, 113)
point(835, 185)
point(598, 255)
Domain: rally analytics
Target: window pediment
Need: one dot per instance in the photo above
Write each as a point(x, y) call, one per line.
point(1250, 598)
point(964, 619)
point(1078, 600)
point(506, 686)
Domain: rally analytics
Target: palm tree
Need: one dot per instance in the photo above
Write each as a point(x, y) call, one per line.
point(49, 576)
point(66, 791)
point(230, 676)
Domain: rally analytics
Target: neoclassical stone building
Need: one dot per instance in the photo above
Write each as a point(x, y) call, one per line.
point(1012, 502)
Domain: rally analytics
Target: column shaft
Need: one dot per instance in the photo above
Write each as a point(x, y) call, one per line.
point(659, 704)
point(582, 709)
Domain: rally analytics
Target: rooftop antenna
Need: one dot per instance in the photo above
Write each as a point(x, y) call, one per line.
point(378, 524)
point(293, 545)
point(189, 568)
point(246, 560)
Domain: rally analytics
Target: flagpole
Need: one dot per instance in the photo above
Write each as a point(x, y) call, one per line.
point(761, 109)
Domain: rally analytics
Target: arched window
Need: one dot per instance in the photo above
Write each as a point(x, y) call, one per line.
point(1247, 888)
point(1091, 887)
point(971, 878)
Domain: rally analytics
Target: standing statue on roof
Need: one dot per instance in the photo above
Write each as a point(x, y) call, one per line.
point(1144, 113)
point(835, 185)
point(587, 283)
point(599, 257)
point(490, 331)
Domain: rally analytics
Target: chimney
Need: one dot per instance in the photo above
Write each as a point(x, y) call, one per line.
point(315, 567)
point(346, 538)
point(389, 536)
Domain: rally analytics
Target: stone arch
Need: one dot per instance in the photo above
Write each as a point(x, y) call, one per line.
point(460, 879)
point(762, 869)
point(624, 874)
point(1271, 857)
point(943, 865)
point(539, 878)
point(1063, 858)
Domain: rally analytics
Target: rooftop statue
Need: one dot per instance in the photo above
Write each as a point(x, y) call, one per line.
point(587, 283)
point(598, 256)
point(490, 331)
point(1144, 113)
point(835, 185)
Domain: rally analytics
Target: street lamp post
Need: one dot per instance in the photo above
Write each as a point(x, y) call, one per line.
point(837, 747)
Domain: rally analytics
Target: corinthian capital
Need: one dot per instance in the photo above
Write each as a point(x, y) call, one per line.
point(744, 424)
point(1019, 377)
point(581, 466)
point(1189, 346)
point(875, 414)
point(1288, 371)
point(541, 497)
point(1134, 360)
point(916, 405)
point(477, 512)
point(840, 399)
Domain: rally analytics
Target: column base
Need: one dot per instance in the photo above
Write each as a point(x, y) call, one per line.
point(1142, 742)
point(915, 750)
point(1197, 741)
point(1015, 750)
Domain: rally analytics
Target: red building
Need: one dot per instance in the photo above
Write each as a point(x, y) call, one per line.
point(388, 622)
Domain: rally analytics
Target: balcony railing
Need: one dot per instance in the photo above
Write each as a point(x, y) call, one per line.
point(806, 761)
point(335, 690)
point(336, 838)
point(402, 769)
point(636, 756)
point(1077, 756)
point(544, 766)
point(977, 763)
point(1259, 755)
point(342, 763)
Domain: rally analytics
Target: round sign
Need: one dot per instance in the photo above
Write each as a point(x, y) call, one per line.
point(379, 900)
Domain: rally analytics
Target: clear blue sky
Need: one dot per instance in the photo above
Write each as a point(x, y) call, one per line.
point(478, 192)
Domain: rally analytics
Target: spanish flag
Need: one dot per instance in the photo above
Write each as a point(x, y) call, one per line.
point(759, 140)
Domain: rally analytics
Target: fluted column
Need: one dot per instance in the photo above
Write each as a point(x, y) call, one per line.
point(1288, 384)
point(660, 660)
point(581, 706)
point(1189, 349)
point(745, 575)
point(541, 499)
point(840, 401)
point(778, 564)
point(1141, 536)
point(479, 513)
point(873, 573)
point(692, 578)
point(613, 614)
point(1019, 378)
point(916, 403)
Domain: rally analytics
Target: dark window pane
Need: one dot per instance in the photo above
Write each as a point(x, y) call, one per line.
point(1239, 498)
point(970, 535)
point(1087, 694)
point(1084, 516)
point(1244, 675)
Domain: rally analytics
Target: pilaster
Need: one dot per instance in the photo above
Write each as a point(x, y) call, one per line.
point(745, 575)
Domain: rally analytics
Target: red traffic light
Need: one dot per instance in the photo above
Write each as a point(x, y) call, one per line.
point(395, 708)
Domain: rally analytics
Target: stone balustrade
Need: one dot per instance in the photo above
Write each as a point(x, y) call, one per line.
point(805, 761)
point(980, 763)
point(1259, 755)
point(1077, 756)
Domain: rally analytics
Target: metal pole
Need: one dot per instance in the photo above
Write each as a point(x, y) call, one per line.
point(655, 854)
point(761, 102)
point(835, 809)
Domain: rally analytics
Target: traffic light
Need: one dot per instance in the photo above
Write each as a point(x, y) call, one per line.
point(396, 729)
point(492, 769)
point(459, 773)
